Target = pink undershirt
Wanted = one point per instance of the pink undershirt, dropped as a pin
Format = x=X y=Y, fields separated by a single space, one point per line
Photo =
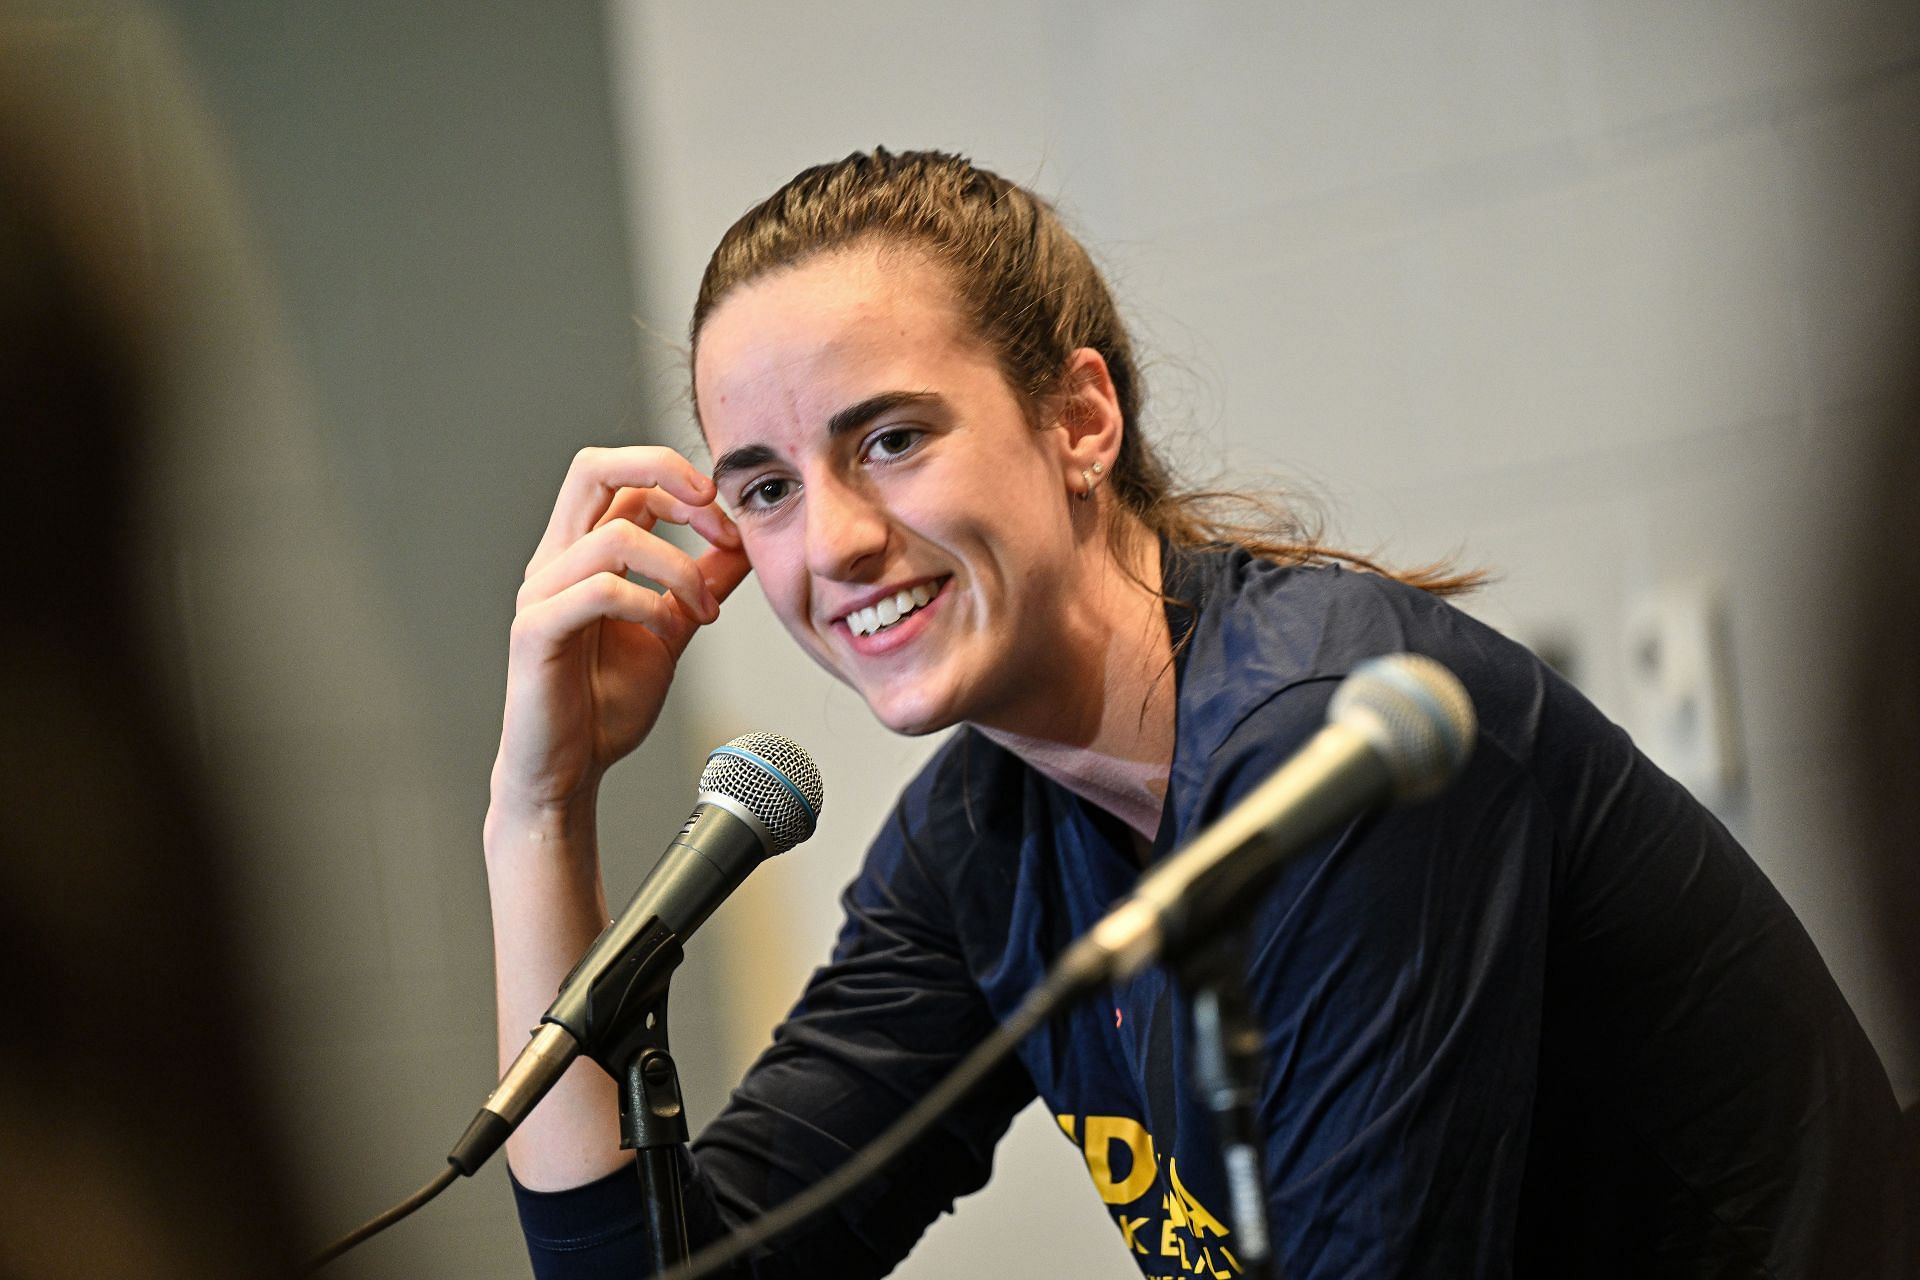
x=1131 y=790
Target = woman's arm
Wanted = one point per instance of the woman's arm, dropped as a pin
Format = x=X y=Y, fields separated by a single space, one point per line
x=543 y=881
x=590 y=658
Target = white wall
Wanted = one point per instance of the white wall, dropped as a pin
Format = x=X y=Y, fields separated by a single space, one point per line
x=1593 y=292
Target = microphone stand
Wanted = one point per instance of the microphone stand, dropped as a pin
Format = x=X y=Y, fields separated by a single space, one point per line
x=1227 y=1073
x=624 y=1018
x=1204 y=946
x=653 y=1125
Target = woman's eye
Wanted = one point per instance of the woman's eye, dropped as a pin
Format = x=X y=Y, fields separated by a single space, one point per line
x=763 y=495
x=893 y=442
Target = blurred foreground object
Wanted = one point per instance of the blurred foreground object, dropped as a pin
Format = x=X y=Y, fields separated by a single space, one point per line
x=1881 y=714
x=136 y=1139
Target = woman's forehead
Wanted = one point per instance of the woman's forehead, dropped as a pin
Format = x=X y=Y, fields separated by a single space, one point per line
x=804 y=330
x=857 y=285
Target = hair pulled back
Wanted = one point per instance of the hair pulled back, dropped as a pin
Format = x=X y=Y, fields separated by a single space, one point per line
x=1033 y=296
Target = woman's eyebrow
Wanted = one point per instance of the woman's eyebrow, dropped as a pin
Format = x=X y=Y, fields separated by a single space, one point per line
x=856 y=416
x=741 y=459
x=851 y=418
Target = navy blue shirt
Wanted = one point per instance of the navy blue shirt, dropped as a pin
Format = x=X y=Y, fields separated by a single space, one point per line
x=1554 y=1021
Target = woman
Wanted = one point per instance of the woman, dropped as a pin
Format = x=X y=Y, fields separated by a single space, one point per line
x=1497 y=1024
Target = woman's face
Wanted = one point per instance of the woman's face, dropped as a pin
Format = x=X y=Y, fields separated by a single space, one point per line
x=910 y=527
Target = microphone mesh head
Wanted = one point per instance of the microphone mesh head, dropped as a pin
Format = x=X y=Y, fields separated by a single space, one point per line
x=774 y=779
x=1416 y=715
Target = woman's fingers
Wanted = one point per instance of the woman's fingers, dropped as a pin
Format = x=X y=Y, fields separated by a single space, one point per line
x=596 y=477
x=635 y=505
x=723 y=569
x=592 y=599
x=647 y=506
x=713 y=524
x=620 y=547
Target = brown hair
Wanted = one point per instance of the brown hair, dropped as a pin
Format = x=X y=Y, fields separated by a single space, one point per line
x=1034 y=297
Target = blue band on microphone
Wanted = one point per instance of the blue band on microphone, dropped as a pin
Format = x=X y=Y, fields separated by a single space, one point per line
x=1438 y=716
x=767 y=766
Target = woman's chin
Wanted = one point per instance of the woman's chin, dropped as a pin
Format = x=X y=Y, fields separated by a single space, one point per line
x=911 y=716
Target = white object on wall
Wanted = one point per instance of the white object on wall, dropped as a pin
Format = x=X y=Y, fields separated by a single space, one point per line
x=1680 y=699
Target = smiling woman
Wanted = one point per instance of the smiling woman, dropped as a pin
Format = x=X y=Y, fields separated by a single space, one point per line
x=886 y=453
x=1497 y=1021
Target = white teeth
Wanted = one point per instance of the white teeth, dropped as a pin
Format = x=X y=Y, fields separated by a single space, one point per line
x=864 y=622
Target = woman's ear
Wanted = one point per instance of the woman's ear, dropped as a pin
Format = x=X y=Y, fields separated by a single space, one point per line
x=1087 y=411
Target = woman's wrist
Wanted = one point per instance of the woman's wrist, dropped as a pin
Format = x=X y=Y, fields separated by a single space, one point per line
x=517 y=821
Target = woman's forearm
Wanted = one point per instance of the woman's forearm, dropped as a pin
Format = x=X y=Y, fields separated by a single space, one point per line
x=543 y=880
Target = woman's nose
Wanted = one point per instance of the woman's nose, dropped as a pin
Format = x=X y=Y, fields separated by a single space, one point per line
x=847 y=531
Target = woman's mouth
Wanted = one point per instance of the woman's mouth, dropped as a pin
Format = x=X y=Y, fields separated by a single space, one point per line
x=889 y=612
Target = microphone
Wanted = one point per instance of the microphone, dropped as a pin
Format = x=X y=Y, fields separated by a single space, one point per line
x=760 y=794
x=1398 y=729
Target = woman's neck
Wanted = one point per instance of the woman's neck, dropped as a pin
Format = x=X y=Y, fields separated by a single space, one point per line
x=1109 y=736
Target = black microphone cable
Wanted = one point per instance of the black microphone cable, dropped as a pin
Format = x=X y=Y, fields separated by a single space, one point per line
x=375 y=1225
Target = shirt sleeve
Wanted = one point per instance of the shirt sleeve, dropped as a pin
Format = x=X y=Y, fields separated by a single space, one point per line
x=877 y=1027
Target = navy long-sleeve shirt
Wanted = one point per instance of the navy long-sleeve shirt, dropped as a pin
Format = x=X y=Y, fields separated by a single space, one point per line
x=1554 y=1021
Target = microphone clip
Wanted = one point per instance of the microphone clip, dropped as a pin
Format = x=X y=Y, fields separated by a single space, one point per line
x=623 y=1011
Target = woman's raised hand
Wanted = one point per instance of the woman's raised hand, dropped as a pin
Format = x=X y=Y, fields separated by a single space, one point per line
x=592 y=654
